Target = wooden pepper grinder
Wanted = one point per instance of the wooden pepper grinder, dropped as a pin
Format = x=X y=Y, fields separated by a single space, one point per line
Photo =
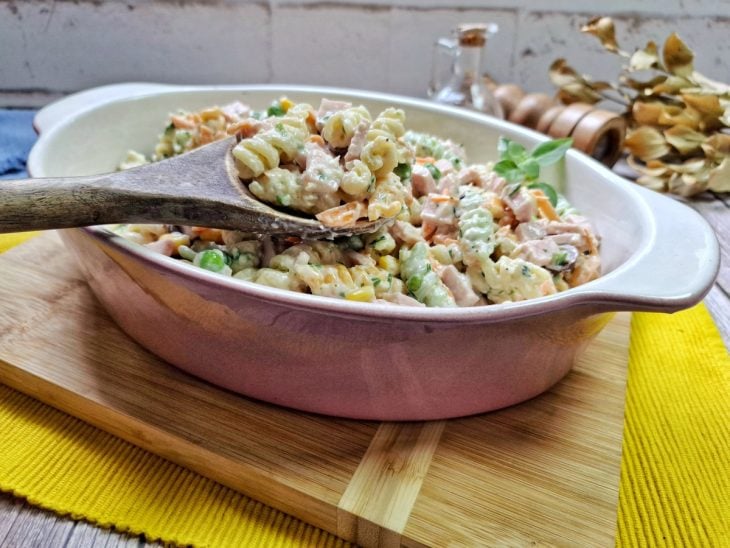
x=598 y=133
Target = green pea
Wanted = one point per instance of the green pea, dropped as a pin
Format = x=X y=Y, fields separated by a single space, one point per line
x=213 y=260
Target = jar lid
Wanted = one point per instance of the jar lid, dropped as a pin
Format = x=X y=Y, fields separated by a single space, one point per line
x=475 y=34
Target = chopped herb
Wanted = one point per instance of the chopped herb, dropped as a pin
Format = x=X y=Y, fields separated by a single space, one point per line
x=376 y=281
x=280 y=128
x=560 y=259
x=283 y=200
x=435 y=172
x=275 y=110
x=513 y=189
x=414 y=283
x=526 y=271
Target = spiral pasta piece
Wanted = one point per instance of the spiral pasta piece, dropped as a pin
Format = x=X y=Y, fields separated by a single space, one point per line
x=273 y=145
x=381 y=153
x=340 y=127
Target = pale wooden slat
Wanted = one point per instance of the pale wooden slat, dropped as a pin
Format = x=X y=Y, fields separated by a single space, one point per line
x=409 y=483
x=377 y=504
x=543 y=471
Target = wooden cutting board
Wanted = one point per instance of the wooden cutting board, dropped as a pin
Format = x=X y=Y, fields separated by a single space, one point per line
x=544 y=472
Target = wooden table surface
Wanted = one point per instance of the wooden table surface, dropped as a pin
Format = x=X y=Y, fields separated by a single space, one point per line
x=24 y=525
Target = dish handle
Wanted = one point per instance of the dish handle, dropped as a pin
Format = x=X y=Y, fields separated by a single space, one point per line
x=677 y=267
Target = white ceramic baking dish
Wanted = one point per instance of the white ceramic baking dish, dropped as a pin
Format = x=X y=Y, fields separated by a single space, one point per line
x=365 y=360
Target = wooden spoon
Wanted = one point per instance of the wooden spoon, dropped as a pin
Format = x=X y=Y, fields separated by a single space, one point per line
x=198 y=188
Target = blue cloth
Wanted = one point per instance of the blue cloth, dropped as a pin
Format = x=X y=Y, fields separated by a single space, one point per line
x=16 y=138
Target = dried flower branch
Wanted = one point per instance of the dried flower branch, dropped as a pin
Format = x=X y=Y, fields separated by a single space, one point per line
x=679 y=120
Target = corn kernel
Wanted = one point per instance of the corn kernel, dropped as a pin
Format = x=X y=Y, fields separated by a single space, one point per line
x=389 y=263
x=286 y=104
x=177 y=238
x=365 y=294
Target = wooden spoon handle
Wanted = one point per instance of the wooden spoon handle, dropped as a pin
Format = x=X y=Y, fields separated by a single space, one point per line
x=64 y=202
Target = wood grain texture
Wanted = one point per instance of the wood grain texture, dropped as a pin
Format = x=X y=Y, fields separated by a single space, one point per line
x=543 y=471
x=377 y=503
x=199 y=188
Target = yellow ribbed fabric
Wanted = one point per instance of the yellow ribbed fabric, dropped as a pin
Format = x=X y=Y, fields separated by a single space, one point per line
x=675 y=468
x=675 y=473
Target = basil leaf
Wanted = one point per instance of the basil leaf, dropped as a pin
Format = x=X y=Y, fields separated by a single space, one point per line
x=508 y=170
x=530 y=168
x=516 y=152
x=548 y=190
x=551 y=151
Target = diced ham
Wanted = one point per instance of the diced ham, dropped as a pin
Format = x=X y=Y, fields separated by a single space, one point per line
x=568 y=238
x=438 y=210
x=406 y=233
x=523 y=204
x=359 y=139
x=495 y=183
x=399 y=299
x=323 y=173
x=164 y=247
x=539 y=252
x=422 y=181
x=475 y=175
x=359 y=258
x=236 y=111
x=444 y=166
x=448 y=183
x=459 y=285
x=532 y=230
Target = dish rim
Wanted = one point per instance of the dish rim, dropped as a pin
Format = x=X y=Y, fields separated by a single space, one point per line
x=597 y=293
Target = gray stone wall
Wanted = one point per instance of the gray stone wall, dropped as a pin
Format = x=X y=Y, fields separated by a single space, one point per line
x=48 y=48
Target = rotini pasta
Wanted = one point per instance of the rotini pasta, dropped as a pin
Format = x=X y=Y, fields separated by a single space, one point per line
x=340 y=126
x=461 y=235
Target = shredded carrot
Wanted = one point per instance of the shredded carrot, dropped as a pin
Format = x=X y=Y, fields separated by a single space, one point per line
x=422 y=160
x=544 y=206
x=316 y=139
x=344 y=215
x=209 y=234
x=428 y=228
x=440 y=198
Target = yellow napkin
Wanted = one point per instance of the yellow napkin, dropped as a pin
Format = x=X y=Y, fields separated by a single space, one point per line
x=675 y=474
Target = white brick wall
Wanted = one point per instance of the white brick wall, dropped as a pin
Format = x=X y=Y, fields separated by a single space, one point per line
x=51 y=47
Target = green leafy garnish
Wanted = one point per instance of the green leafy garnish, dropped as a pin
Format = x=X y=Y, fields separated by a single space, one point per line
x=551 y=151
x=516 y=164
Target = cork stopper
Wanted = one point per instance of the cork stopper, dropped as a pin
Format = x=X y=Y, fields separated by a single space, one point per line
x=474 y=34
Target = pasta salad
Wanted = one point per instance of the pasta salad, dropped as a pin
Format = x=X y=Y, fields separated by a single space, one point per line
x=459 y=234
